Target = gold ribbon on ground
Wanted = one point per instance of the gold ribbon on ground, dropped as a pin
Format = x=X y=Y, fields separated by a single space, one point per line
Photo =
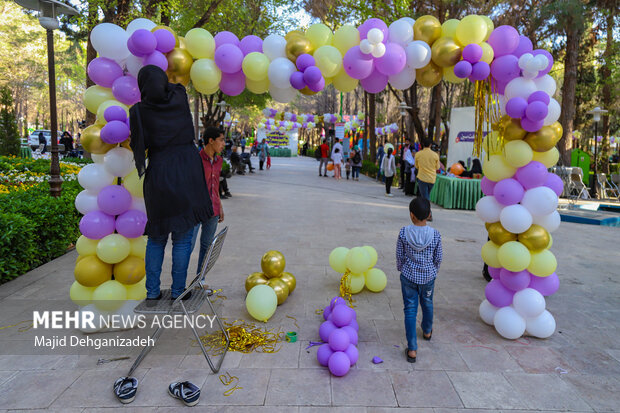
x=244 y=337
x=345 y=288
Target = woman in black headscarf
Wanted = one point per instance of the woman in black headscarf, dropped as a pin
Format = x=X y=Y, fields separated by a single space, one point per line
x=175 y=192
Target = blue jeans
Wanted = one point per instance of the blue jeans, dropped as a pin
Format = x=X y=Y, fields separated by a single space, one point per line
x=206 y=238
x=411 y=293
x=181 y=251
x=425 y=189
x=356 y=171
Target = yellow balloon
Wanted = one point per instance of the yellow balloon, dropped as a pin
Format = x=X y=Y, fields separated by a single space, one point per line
x=499 y=235
x=487 y=53
x=346 y=37
x=297 y=45
x=261 y=302
x=290 y=281
x=491 y=144
x=86 y=246
x=546 y=138
x=518 y=153
x=319 y=35
x=136 y=291
x=205 y=75
x=80 y=258
x=129 y=271
x=372 y=253
x=91 y=141
x=448 y=28
x=80 y=294
x=536 y=238
x=138 y=246
x=256 y=278
x=113 y=248
x=543 y=263
x=182 y=43
x=550 y=241
x=358 y=260
x=514 y=256
x=95 y=96
x=255 y=66
x=548 y=158
x=472 y=29
x=329 y=60
x=376 y=280
x=91 y=271
x=280 y=288
x=110 y=296
x=110 y=102
x=430 y=75
x=496 y=168
x=179 y=61
x=357 y=283
x=445 y=52
x=490 y=26
x=489 y=254
x=427 y=28
x=448 y=75
x=343 y=82
x=134 y=184
x=257 y=87
x=200 y=44
x=338 y=259
x=272 y=263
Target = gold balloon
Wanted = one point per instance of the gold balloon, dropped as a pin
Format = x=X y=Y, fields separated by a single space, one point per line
x=272 y=263
x=297 y=45
x=91 y=141
x=294 y=33
x=445 y=52
x=487 y=225
x=129 y=271
x=280 y=288
x=544 y=139
x=176 y=78
x=557 y=129
x=126 y=143
x=176 y=38
x=513 y=131
x=254 y=279
x=499 y=234
x=536 y=238
x=430 y=75
x=290 y=280
x=182 y=44
x=179 y=62
x=307 y=92
x=427 y=29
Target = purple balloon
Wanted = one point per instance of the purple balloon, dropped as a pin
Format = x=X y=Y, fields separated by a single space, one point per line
x=549 y=57
x=472 y=53
x=115 y=113
x=508 y=191
x=494 y=272
x=323 y=354
x=487 y=186
x=504 y=40
x=131 y=224
x=525 y=46
x=373 y=23
x=530 y=125
x=374 y=83
x=536 y=111
x=354 y=325
x=532 y=175
x=342 y=315
x=250 y=44
x=143 y=42
x=304 y=61
x=114 y=132
x=505 y=68
x=104 y=71
x=318 y=86
x=514 y=281
x=165 y=40
x=297 y=80
x=497 y=294
x=226 y=37
x=555 y=183
x=462 y=69
x=539 y=96
x=125 y=89
x=157 y=59
x=312 y=75
x=228 y=58
x=515 y=107
x=96 y=225
x=498 y=87
x=326 y=312
x=339 y=340
x=545 y=285
x=114 y=199
x=353 y=337
x=326 y=328
x=357 y=64
x=339 y=363
x=480 y=71
x=393 y=60
x=352 y=353
x=232 y=84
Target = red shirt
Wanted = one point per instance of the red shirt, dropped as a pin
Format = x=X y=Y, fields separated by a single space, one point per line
x=325 y=151
x=212 y=168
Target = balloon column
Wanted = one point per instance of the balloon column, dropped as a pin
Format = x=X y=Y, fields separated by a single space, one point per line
x=384 y=130
x=339 y=331
x=357 y=265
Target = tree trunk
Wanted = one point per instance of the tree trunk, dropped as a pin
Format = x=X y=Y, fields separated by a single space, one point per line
x=607 y=86
x=91 y=53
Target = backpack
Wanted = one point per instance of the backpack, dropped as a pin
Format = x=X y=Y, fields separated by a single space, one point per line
x=357 y=158
x=317 y=153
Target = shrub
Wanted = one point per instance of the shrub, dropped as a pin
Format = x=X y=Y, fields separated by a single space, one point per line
x=17 y=246
x=79 y=161
x=369 y=168
x=9 y=135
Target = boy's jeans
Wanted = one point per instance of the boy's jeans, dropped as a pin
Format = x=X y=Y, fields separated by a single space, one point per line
x=206 y=238
x=411 y=292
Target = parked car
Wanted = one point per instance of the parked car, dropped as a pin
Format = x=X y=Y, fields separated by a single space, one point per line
x=33 y=139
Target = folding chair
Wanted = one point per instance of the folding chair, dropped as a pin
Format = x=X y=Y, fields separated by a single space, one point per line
x=165 y=306
x=578 y=189
x=615 y=182
x=606 y=188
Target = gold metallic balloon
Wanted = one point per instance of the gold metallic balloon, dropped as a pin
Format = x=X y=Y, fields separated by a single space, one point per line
x=430 y=75
x=513 y=130
x=179 y=62
x=254 y=279
x=536 y=238
x=290 y=280
x=182 y=44
x=294 y=33
x=557 y=129
x=544 y=139
x=272 y=263
x=126 y=143
x=499 y=234
x=487 y=225
x=445 y=52
x=280 y=288
x=176 y=78
x=307 y=92
x=427 y=29
x=176 y=38
x=297 y=45
x=91 y=141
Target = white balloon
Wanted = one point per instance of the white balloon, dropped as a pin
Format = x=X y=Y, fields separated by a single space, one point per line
x=366 y=46
x=542 y=326
x=274 y=46
x=282 y=95
x=375 y=36
x=547 y=84
x=408 y=20
x=540 y=201
x=86 y=202
x=549 y=222
x=487 y=312
x=529 y=303
x=554 y=112
x=541 y=62
x=488 y=209
x=401 y=32
x=119 y=162
x=403 y=80
x=418 y=54
x=110 y=40
x=524 y=60
x=138 y=203
x=378 y=50
x=134 y=64
x=280 y=71
x=529 y=74
x=140 y=23
x=94 y=177
x=515 y=218
x=520 y=87
x=508 y=323
x=97 y=158
x=502 y=103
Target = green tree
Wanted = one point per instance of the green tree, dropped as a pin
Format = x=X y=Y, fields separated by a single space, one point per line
x=9 y=134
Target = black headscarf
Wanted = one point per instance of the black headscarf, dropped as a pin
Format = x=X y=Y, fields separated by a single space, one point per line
x=476 y=167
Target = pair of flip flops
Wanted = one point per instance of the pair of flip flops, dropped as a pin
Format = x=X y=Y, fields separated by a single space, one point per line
x=125 y=389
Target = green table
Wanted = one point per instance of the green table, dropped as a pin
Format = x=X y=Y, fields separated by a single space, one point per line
x=456 y=193
x=25 y=152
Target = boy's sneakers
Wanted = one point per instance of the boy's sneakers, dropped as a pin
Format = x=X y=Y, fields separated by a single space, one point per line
x=125 y=389
x=390 y=195
x=185 y=391
x=185 y=297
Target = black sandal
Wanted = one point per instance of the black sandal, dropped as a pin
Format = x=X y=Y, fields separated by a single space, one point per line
x=409 y=358
x=427 y=338
x=125 y=389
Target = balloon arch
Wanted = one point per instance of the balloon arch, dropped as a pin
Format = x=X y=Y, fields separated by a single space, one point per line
x=516 y=126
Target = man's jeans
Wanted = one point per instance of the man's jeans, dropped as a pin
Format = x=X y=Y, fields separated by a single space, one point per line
x=181 y=251
x=356 y=171
x=425 y=189
x=323 y=164
x=411 y=293
x=206 y=238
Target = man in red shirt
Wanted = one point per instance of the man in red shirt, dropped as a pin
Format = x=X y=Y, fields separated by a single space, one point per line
x=324 y=148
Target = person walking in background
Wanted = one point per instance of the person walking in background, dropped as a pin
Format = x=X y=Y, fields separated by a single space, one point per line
x=263 y=152
x=347 y=167
x=356 y=158
x=42 y=143
x=324 y=150
x=337 y=158
x=242 y=142
x=409 y=164
x=380 y=155
x=67 y=141
x=388 y=166
x=427 y=163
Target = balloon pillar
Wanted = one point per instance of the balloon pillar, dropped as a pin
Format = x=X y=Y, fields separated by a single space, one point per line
x=339 y=331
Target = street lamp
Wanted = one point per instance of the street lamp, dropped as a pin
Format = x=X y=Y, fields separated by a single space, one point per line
x=596 y=116
x=48 y=11
x=403 y=112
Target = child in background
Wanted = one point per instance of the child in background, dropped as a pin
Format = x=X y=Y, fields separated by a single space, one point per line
x=268 y=161
x=418 y=257
x=337 y=158
x=347 y=167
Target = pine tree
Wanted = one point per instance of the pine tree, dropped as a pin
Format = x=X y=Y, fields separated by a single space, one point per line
x=9 y=135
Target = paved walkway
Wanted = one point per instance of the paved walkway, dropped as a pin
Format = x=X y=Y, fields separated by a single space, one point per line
x=466 y=366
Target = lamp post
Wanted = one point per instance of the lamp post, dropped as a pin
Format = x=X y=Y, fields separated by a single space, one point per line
x=596 y=117
x=403 y=112
x=48 y=11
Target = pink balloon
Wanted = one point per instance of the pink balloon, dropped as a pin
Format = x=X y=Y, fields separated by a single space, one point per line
x=393 y=61
x=96 y=225
x=357 y=64
x=115 y=113
x=165 y=40
x=157 y=59
x=514 y=281
x=505 y=68
x=532 y=175
x=143 y=42
x=325 y=329
x=373 y=23
x=504 y=40
x=114 y=199
x=339 y=363
x=226 y=37
x=497 y=294
x=531 y=126
x=228 y=58
x=545 y=285
x=515 y=107
x=131 y=223
x=555 y=183
x=508 y=191
x=525 y=46
x=323 y=354
x=250 y=44
x=352 y=353
x=114 y=132
x=232 y=84
x=374 y=83
x=125 y=89
x=104 y=71
x=487 y=186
